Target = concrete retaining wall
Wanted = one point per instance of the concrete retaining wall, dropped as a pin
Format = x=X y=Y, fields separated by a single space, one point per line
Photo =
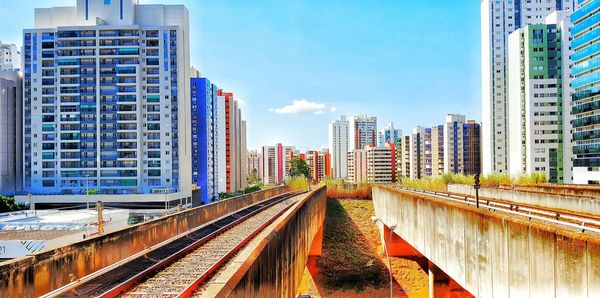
x=592 y=191
x=274 y=267
x=44 y=272
x=574 y=203
x=491 y=254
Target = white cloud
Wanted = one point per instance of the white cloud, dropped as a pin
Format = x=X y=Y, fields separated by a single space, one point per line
x=303 y=105
x=242 y=103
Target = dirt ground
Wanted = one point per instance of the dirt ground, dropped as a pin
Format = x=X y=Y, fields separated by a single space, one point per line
x=353 y=252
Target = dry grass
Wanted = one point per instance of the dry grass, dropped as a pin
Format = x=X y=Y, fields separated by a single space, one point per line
x=440 y=183
x=300 y=183
x=339 y=189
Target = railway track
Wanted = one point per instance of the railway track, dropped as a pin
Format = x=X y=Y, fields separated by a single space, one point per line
x=208 y=246
x=565 y=218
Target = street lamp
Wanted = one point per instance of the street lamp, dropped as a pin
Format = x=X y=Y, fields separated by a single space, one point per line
x=387 y=252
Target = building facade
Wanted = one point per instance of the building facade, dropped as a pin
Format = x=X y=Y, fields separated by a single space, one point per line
x=462 y=143
x=274 y=163
x=389 y=135
x=255 y=164
x=499 y=18
x=235 y=175
x=10 y=57
x=338 y=144
x=437 y=150
x=535 y=93
x=363 y=132
x=373 y=164
x=106 y=100
x=585 y=107
x=11 y=132
x=205 y=169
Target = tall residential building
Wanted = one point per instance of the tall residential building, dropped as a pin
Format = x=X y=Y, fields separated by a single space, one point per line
x=535 y=92
x=255 y=163
x=585 y=108
x=10 y=57
x=462 y=154
x=404 y=157
x=389 y=135
x=498 y=19
x=420 y=143
x=234 y=140
x=274 y=163
x=338 y=144
x=437 y=150
x=11 y=132
x=204 y=138
x=106 y=101
x=319 y=164
x=221 y=143
x=244 y=157
x=372 y=164
x=363 y=132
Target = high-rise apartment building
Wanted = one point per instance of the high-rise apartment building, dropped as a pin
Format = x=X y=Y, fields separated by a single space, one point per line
x=498 y=19
x=10 y=57
x=274 y=163
x=363 y=132
x=462 y=153
x=234 y=140
x=338 y=144
x=372 y=164
x=106 y=101
x=585 y=109
x=243 y=157
x=420 y=147
x=437 y=150
x=11 y=132
x=536 y=100
x=319 y=164
x=389 y=135
x=205 y=158
x=255 y=164
x=404 y=157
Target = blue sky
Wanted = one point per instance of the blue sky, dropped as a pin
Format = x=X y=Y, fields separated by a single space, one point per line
x=410 y=62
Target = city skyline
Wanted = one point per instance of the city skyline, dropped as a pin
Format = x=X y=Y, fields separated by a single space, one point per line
x=323 y=67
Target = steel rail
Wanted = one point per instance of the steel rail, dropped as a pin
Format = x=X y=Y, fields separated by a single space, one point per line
x=143 y=253
x=134 y=280
x=584 y=223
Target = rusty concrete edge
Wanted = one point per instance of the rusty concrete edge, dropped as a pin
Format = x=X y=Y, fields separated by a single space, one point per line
x=225 y=288
x=583 y=214
x=27 y=260
x=534 y=224
x=558 y=194
x=564 y=186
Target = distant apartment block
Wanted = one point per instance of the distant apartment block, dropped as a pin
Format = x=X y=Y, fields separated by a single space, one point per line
x=274 y=163
x=106 y=102
x=10 y=57
x=11 y=132
x=389 y=135
x=404 y=154
x=462 y=153
x=363 y=132
x=437 y=150
x=499 y=18
x=319 y=163
x=372 y=164
x=255 y=163
x=205 y=151
x=585 y=109
x=338 y=146
x=536 y=102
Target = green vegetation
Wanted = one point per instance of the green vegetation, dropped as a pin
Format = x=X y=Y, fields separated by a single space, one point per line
x=297 y=183
x=252 y=188
x=90 y=192
x=440 y=183
x=298 y=167
x=253 y=177
x=8 y=204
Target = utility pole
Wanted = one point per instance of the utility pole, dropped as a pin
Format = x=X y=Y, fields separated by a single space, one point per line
x=99 y=208
x=476 y=186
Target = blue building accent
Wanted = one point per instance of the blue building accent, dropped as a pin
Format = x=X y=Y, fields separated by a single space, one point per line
x=204 y=138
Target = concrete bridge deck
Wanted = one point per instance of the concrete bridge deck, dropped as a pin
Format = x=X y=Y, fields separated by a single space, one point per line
x=489 y=253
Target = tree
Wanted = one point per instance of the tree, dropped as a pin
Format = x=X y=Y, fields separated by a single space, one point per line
x=7 y=204
x=298 y=167
x=253 y=177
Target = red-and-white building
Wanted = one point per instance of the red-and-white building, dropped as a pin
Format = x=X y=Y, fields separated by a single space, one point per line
x=319 y=163
x=275 y=163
